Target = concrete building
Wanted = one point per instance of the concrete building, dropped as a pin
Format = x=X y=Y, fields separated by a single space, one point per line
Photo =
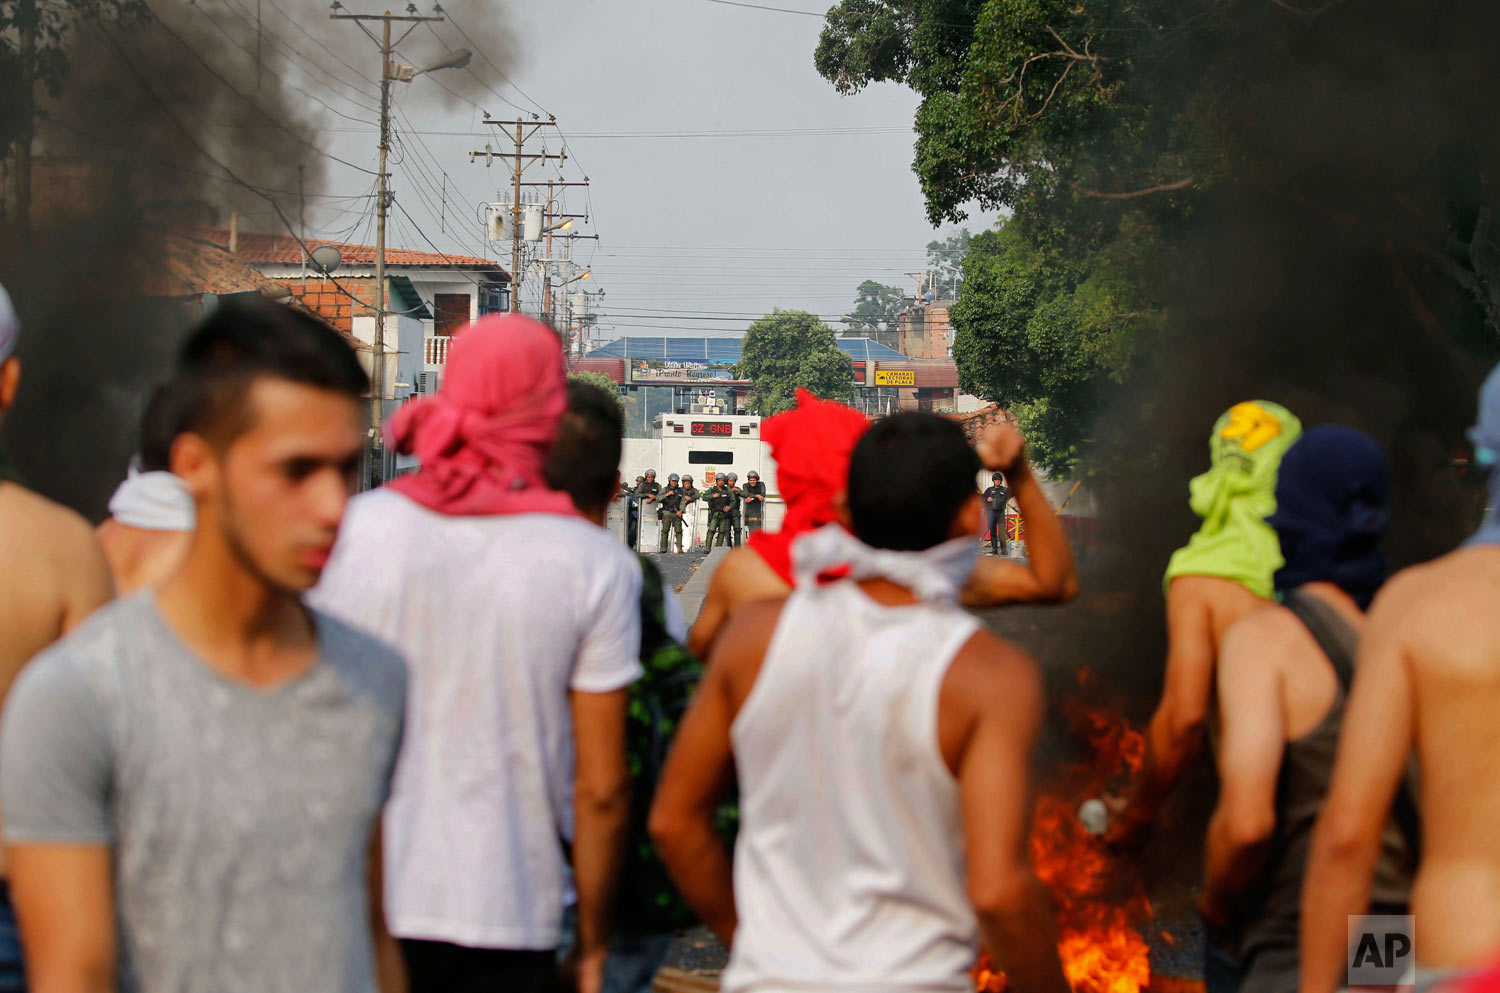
x=668 y=374
x=924 y=332
x=429 y=296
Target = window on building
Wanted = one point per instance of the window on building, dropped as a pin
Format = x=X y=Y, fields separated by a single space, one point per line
x=711 y=458
x=451 y=312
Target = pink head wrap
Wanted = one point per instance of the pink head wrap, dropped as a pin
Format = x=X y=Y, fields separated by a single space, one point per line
x=484 y=437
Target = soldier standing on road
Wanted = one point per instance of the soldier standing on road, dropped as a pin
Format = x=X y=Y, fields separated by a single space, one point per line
x=690 y=497
x=671 y=513
x=720 y=500
x=734 y=510
x=995 y=499
x=646 y=496
x=633 y=511
x=755 y=501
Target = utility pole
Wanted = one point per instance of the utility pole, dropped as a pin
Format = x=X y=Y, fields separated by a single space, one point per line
x=382 y=207
x=518 y=161
x=547 y=276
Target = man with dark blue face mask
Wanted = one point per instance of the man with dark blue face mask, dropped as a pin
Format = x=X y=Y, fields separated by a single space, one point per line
x=1283 y=677
x=1428 y=682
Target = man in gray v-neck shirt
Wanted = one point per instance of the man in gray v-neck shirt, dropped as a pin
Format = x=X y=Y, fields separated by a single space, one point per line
x=239 y=818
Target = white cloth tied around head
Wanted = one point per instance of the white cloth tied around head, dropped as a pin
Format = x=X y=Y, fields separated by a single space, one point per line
x=936 y=573
x=154 y=501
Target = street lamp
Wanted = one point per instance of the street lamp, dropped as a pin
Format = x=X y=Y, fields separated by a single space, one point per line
x=560 y=226
x=399 y=72
x=403 y=73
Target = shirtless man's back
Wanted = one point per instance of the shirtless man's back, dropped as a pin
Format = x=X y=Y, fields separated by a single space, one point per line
x=1428 y=679
x=1454 y=672
x=1427 y=684
x=57 y=576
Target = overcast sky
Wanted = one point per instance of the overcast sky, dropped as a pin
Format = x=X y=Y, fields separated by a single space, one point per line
x=698 y=233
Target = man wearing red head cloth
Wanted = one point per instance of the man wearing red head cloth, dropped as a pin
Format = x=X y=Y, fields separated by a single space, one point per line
x=520 y=621
x=811 y=445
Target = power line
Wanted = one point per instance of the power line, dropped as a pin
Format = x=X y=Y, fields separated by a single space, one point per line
x=193 y=140
x=276 y=41
x=474 y=46
x=314 y=38
x=255 y=106
x=828 y=132
x=779 y=10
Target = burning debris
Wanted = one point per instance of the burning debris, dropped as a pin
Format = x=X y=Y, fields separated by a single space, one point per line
x=1098 y=902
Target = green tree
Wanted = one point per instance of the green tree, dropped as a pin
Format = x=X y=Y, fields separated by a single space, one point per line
x=600 y=380
x=791 y=348
x=1153 y=154
x=949 y=251
x=1042 y=338
x=877 y=307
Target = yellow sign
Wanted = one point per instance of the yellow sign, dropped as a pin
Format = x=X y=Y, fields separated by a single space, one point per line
x=895 y=377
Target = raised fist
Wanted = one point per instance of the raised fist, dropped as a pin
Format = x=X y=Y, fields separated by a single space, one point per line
x=1001 y=448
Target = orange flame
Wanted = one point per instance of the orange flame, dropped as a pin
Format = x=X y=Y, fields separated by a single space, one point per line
x=1100 y=949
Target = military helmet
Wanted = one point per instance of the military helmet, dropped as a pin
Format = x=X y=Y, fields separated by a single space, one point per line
x=672 y=478
x=686 y=478
x=733 y=478
x=997 y=476
x=650 y=473
x=752 y=474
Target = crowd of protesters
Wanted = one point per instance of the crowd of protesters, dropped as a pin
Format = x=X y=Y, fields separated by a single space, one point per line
x=452 y=735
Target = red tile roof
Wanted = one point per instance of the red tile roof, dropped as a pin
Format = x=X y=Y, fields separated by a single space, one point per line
x=279 y=249
x=975 y=421
x=168 y=264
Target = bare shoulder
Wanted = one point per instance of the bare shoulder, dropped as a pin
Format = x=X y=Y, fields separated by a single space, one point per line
x=745 y=577
x=741 y=647
x=1269 y=630
x=1448 y=601
x=750 y=625
x=31 y=519
x=1468 y=574
x=989 y=671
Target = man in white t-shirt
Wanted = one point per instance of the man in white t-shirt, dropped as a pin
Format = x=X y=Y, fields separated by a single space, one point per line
x=520 y=620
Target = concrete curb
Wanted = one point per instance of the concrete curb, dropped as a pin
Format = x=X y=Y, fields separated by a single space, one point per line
x=696 y=588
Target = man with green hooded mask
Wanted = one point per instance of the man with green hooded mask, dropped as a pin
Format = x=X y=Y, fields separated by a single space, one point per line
x=1222 y=573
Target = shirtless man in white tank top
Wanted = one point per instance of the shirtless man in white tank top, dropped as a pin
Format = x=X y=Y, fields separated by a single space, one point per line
x=882 y=742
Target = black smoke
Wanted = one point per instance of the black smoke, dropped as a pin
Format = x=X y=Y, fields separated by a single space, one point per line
x=207 y=108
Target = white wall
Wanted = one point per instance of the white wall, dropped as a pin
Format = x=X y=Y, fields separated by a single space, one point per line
x=429 y=284
x=403 y=350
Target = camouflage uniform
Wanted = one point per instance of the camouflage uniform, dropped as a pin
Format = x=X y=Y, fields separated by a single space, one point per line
x=734 y=514
x=720 y=502
x=671 y=511
x=755 y=504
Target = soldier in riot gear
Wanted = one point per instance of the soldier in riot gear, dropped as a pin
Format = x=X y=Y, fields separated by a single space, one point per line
x=670 y=513
x=754 y=492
